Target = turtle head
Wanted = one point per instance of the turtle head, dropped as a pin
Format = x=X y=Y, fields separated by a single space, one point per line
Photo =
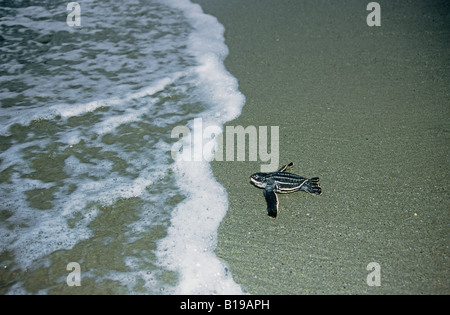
x=258 y=180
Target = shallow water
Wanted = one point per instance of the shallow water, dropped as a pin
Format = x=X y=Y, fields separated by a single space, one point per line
x=86 y=171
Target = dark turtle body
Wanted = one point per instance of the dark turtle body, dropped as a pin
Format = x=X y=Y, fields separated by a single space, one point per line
x=283 y=182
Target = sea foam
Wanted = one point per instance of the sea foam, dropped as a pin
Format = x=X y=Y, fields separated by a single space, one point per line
x=90 y=133
x=192 y=236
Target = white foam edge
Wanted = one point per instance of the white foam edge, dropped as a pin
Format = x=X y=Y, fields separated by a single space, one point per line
x=189 y=248
x=207 y=44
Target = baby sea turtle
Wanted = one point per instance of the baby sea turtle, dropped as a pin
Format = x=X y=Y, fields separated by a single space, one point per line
x=283 y=183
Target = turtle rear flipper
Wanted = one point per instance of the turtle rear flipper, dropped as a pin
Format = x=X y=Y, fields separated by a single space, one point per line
x=272 y=202
x=312 y=186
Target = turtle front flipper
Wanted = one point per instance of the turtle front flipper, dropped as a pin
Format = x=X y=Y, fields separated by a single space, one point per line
x=272 y=201
x=285 y=167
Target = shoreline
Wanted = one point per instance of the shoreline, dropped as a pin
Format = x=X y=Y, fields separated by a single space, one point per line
x=360 y=107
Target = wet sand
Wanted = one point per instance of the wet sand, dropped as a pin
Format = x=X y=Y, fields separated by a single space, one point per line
x=367 y=110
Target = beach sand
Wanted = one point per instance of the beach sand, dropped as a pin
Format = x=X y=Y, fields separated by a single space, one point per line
x=367 y=110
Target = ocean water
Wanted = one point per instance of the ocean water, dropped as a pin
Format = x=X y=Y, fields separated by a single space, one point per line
x=86 y=171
